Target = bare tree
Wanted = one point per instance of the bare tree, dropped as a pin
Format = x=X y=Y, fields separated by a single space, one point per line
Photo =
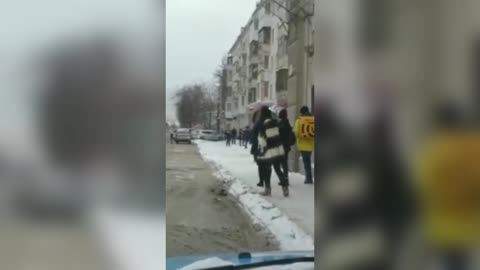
x=194 y=102
x=220 y=77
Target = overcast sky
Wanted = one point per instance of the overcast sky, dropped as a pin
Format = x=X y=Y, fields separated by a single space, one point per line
x=199 y=34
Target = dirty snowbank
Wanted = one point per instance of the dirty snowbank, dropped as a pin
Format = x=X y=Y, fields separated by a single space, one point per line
x=234 y=166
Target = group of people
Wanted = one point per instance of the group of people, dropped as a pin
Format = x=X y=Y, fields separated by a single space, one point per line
x=272 y=139
x=243 y=136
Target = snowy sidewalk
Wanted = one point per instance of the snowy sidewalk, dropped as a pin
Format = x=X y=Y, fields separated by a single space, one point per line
x=295 y=213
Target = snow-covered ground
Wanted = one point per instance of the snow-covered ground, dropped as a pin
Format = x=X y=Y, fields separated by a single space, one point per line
x=290 y=219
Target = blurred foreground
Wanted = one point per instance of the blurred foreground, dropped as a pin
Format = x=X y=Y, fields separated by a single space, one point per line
x=80 y=143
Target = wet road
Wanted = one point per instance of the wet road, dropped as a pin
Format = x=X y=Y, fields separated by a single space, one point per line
x=201 y=217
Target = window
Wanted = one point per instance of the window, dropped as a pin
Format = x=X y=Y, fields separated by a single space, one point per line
x=253 y=48
x=244 y=59
x=229 y=91
x=235 y=104
x=230 y=75
x=282 y=79
x=266 y=62
x=265 y=89
x=230 y=60
x=229 y=107
x=267 y=7
x=255 y=24
x=282 y=46
x=253 y=71
x=265 y=35
x=243 y=100
x=252 y=94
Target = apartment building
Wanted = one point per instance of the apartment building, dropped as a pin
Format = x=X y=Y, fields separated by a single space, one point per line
x=252 y=64
x=270 y=63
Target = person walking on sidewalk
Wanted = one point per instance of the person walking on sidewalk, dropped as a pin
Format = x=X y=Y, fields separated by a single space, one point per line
x=268 y=151
x=448 y=176
x=227 y=137
x=288 y=139
x=246 y=136
x=240 y=137
x=304 y=132
x=172 y=139
x=233 y=135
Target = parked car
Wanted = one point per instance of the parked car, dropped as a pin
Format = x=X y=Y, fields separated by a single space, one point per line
x=182 y=135
x=195 y=134
x=210 y=135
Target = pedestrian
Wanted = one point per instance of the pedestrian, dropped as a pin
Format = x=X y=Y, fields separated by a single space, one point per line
x=233 y=135
x=268 y=150
x=172 y=139
x=449 y=175
x=246 y=136
x=288 y=139
x=227 y=137
x=240 y=137
x=390 y=195
x=305 y=137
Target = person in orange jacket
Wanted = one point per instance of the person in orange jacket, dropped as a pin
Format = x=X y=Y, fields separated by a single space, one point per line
x=304 y=132
x=449 y=185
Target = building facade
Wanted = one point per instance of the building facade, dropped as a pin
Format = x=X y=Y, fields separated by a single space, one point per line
x=251 y=66
x=300 y=52
x=270 y=63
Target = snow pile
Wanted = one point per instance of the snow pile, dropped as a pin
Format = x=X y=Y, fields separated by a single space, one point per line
x=277 y=214
x=207 y=263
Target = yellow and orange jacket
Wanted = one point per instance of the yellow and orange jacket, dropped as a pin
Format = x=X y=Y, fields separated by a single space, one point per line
x=303 y=144
x=449 y=185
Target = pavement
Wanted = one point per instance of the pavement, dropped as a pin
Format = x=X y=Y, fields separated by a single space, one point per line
x=237 y=162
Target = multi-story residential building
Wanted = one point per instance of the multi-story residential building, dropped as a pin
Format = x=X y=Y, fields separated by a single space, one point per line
x=252 y=65
x=271 y=63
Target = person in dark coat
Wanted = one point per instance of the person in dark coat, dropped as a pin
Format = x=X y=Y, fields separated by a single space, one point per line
x=246 y=136
x=288 y=139
x=268 y=150
x=233 y=136
x=227 y=137
x=240 y=137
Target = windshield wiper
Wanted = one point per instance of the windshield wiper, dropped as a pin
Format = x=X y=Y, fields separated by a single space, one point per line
x=263 y=264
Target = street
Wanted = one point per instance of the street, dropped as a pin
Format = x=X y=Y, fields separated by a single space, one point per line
x=201 y=217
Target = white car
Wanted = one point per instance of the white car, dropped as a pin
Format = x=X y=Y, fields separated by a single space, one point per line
x=195 y=134
x=209 y=135
x=182 y=135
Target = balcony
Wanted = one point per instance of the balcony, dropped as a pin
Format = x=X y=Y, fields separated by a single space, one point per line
x=265 y=48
